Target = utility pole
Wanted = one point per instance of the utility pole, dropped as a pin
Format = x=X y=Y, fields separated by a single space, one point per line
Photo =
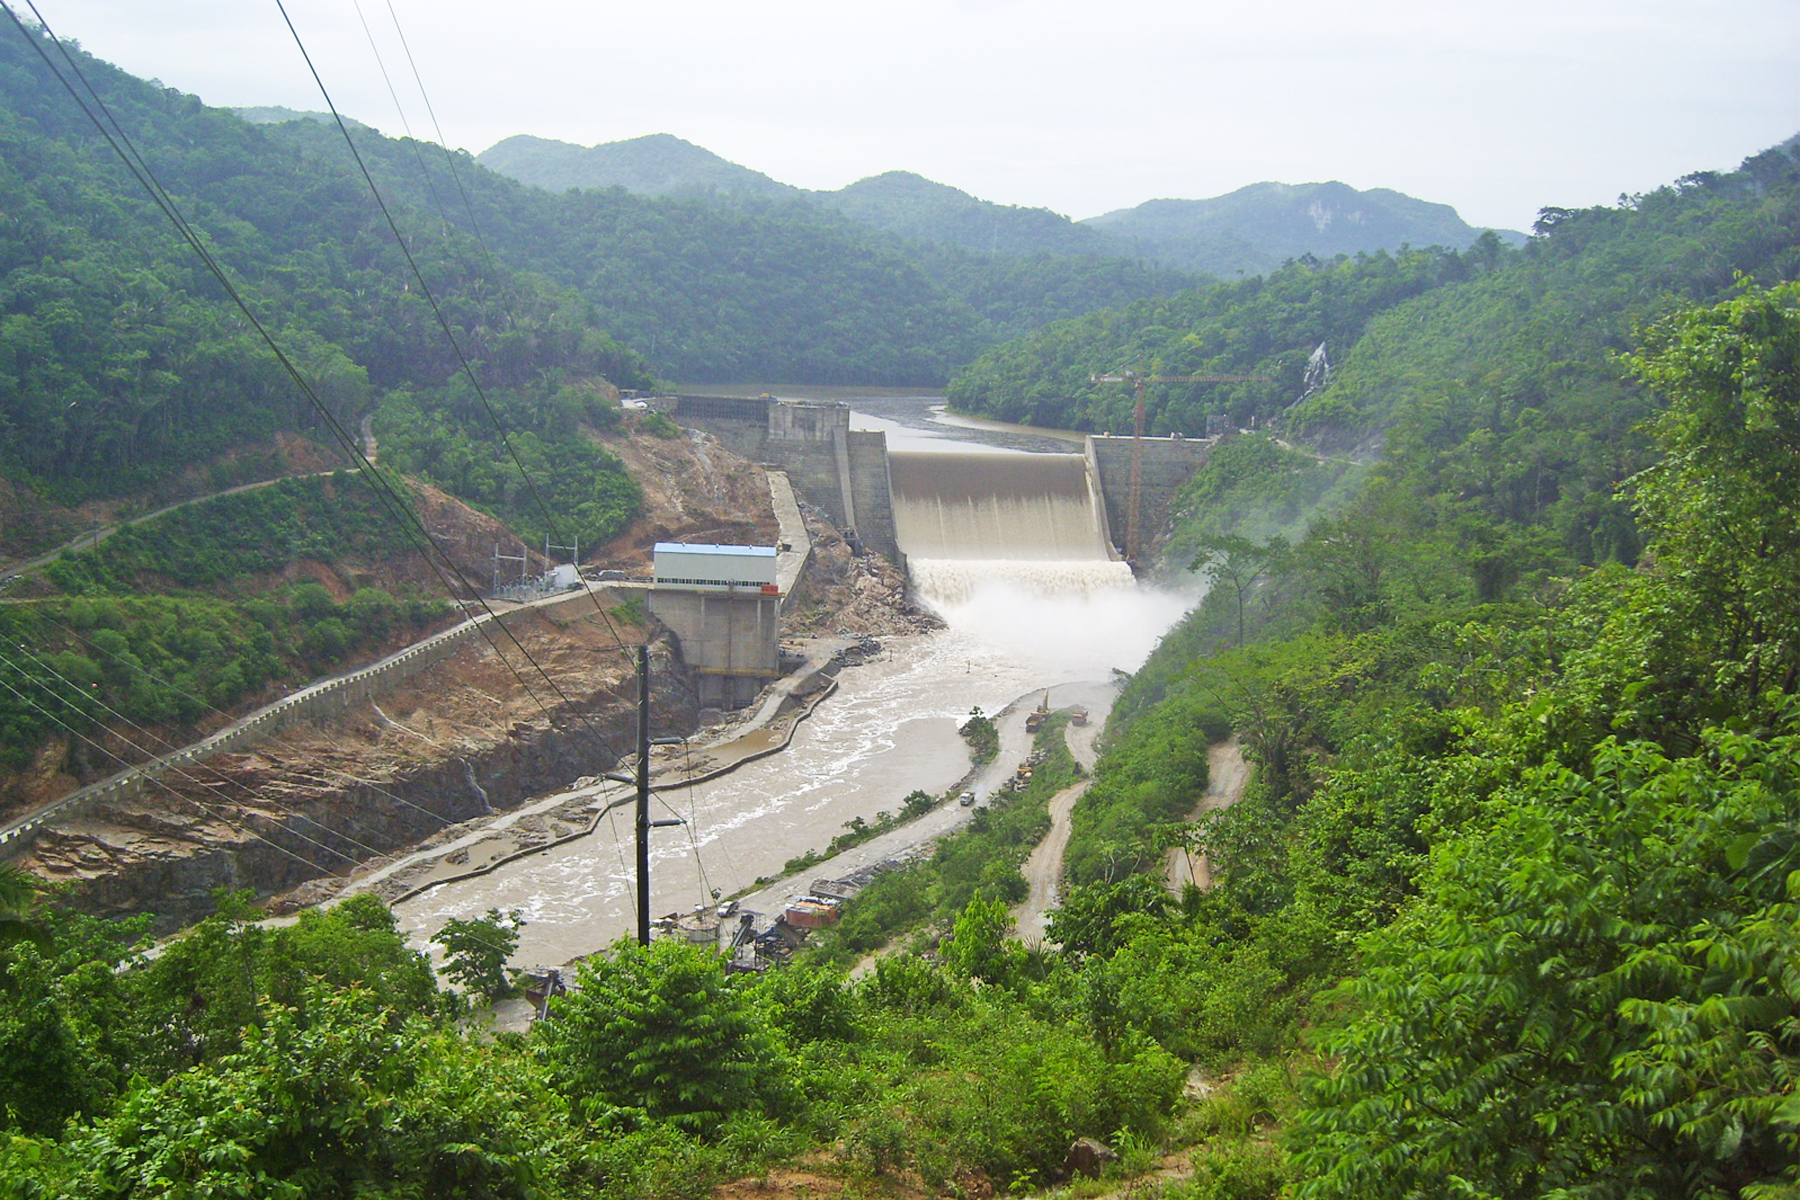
x=643 y=796
x=500 y=558
x=641 y=778
x=574 y=551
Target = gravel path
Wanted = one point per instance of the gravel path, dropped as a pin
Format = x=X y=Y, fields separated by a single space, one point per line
x=1227 y=773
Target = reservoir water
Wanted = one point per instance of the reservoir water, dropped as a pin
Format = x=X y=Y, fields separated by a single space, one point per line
x=1007 y=552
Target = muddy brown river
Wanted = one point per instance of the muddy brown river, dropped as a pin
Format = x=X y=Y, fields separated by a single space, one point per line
x=889 y=728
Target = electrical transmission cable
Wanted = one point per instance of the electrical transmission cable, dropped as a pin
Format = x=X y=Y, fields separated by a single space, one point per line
x=468 y=371
x=406 y=126
x=190 y=778
x=443 y=143
x=178 y=795
x=397 y=506
x=274 y=738
x=225 y=799
x=217 y=788
x=141 y=171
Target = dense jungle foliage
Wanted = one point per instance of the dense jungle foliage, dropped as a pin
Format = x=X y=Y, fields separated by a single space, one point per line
x=166 y=663
x=121 y=361
x=732 y=289
x=166 y=622
x=1509 y=909
x=1488 y=335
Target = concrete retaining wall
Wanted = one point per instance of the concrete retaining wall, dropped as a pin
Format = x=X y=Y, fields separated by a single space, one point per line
x=1168 y=464
x=730 y=642
x=843 y=472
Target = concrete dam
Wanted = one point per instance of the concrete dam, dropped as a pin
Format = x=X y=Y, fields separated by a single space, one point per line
x=1036 y=522
x=957 y=515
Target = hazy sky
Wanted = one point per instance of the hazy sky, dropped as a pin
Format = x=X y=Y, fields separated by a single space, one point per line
x=1496 y=108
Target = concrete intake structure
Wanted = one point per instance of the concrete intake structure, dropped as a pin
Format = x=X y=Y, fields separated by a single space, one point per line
x=843 y=471
x=723 y=605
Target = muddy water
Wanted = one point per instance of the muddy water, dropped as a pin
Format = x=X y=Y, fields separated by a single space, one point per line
x=890 y=728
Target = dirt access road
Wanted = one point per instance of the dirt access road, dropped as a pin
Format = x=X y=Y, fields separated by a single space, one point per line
x=916 y=837
x=1043 y=870
x=1227 y=773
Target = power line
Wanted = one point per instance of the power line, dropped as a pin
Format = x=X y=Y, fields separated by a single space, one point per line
x=141 y=171
x=276 y=738
x=197 y=782
x=217 y=788
x=178 y=795
x=431 y=299
x=443 y=143
x=215 y=813
x=396 y=505
x=418 y=154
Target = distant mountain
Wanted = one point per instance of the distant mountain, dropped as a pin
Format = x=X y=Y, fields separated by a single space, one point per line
x=656 y=165
x=1256 y=228
x=1251 y=231
x=911 y=206
x=275 y=114
x=899 y=202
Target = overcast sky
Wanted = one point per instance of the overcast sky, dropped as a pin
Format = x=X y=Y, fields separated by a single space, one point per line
x=1497 y=108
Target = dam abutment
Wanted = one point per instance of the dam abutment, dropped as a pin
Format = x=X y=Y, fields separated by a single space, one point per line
x=847 y=472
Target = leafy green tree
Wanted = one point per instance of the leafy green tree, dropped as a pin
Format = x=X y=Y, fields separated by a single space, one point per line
x=659 y=1029
x=1092 y=918
x=476 y=950
x=1593 y=1002
x=982 y=736
x=1724 y=501
x=344 y=1102
x=978 y=947
x=1238 y=563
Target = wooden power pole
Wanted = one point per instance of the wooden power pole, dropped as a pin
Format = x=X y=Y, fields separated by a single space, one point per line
x=641 y=779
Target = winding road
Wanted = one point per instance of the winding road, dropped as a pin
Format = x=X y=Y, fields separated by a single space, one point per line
x=1227 y=773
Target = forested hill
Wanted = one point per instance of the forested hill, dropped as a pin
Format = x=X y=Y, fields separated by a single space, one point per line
x=1250 y=231
x=757 y=288
x=123 y=364
x=897 y=202
x=1257 y=228
x=1418 y=328
x=1523 y=701
x=658 y=164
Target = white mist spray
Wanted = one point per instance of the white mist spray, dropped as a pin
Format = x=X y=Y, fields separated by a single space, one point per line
x=1069 y=620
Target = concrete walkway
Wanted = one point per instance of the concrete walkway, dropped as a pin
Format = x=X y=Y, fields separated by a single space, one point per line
x=795 y=549
x=17 y=833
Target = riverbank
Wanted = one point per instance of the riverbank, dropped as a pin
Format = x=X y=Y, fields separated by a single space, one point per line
x=919 y=838
x=476 y=847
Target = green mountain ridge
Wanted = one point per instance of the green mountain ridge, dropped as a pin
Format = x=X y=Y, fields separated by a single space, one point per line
x=1258 y=227
x=658 y=164
x=1251 y=230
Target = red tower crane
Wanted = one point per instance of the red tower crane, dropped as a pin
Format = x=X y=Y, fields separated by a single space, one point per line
x=1140 y=381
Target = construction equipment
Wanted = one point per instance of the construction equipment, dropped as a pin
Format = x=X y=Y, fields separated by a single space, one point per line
x=1140 y=382
x=1035 y=719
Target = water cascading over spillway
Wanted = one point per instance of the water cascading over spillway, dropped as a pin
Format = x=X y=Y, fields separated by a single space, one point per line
x=1033 y=522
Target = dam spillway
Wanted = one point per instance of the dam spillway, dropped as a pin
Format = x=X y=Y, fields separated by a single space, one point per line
x=1034 y=522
